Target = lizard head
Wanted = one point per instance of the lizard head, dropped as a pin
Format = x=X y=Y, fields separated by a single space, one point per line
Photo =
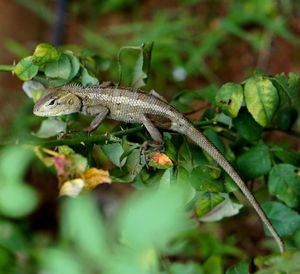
x=55 y=103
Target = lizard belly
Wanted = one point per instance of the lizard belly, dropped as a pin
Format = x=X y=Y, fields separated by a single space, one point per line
x=127 y=116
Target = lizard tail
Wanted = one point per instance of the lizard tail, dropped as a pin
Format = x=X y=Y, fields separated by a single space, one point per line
x=196 y=136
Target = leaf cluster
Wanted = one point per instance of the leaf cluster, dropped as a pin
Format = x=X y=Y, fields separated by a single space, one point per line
x=240 y=116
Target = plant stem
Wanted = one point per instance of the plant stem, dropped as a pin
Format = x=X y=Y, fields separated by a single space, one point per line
x=82 y=139
x=7 y=67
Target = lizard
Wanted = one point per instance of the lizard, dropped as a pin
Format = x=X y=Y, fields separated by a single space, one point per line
x=129 y=105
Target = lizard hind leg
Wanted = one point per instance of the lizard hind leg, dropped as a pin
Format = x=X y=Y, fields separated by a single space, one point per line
x=154 y=133
x=156 y=142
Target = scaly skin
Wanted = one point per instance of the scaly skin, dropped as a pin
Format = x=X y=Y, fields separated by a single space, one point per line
x=128 y=105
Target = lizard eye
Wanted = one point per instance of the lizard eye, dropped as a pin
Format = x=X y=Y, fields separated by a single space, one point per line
x=52 y=102
x=71 y=102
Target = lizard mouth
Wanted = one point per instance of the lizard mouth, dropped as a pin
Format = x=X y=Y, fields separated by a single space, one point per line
x=37 y=111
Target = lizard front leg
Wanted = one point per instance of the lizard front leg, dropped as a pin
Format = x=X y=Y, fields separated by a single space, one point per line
x=100 y=112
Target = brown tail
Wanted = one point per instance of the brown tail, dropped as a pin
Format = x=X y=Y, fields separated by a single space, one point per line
x=196 y=136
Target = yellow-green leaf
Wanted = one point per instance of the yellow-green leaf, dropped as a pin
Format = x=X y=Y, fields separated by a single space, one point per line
x=230 y=98
x=44 y=53
x=261 y=99
x=25 y=69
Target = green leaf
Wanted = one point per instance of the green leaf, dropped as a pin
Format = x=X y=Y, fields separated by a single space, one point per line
x=82 y=225
x=75 y=64
x=12 y=238
x=134 y=164
x=229 y=184
x=152 y=218
x=142 y=66
x=114 y=152
x=226 y=208
x=87 y=79
x=61 y=68
x=286 y=155
x=285 y=118
x=25 y=69
x=285 y=220
x=240 y=268
x=45 y=53
x=261 y=99
x=165 y=179
x=33 y=89
x=213 y=265
x=214 y=138
x=186 y=268
x=284 y=182
x=17 y=200
x=201 y=178
x=206 y=201
x=12 y=157
x=51 y=127
x=247 y=127
x=181 y=179
x=287 y=263
x=230 y=98
x=58 y=260
x=287 y=88
x=255 y=162
x=294 y=84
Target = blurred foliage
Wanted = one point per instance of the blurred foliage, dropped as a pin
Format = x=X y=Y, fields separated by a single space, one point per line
x=166 y=227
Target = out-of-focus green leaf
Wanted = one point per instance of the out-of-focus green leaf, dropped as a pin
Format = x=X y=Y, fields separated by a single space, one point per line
x=33 y=89
x=284 y=182
x=45 y=53
x=82 y=224
x=75 y=64
x=186 y=268
x=255 y=162
x=87 y=79
x=289 y=262
x=51 y=127
x=294 y=84
x=285 y=220
x=26 y=69
x=13 y=162
x=11 y=237
x=114 y=152
x=261 y=99
x=213 y=265
x=247 y=127
x=152 y=218
x=206 y=201
x=230 y=98
x=17 y=200
x=58 y=260
x=60 y=69
x=240 y=268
